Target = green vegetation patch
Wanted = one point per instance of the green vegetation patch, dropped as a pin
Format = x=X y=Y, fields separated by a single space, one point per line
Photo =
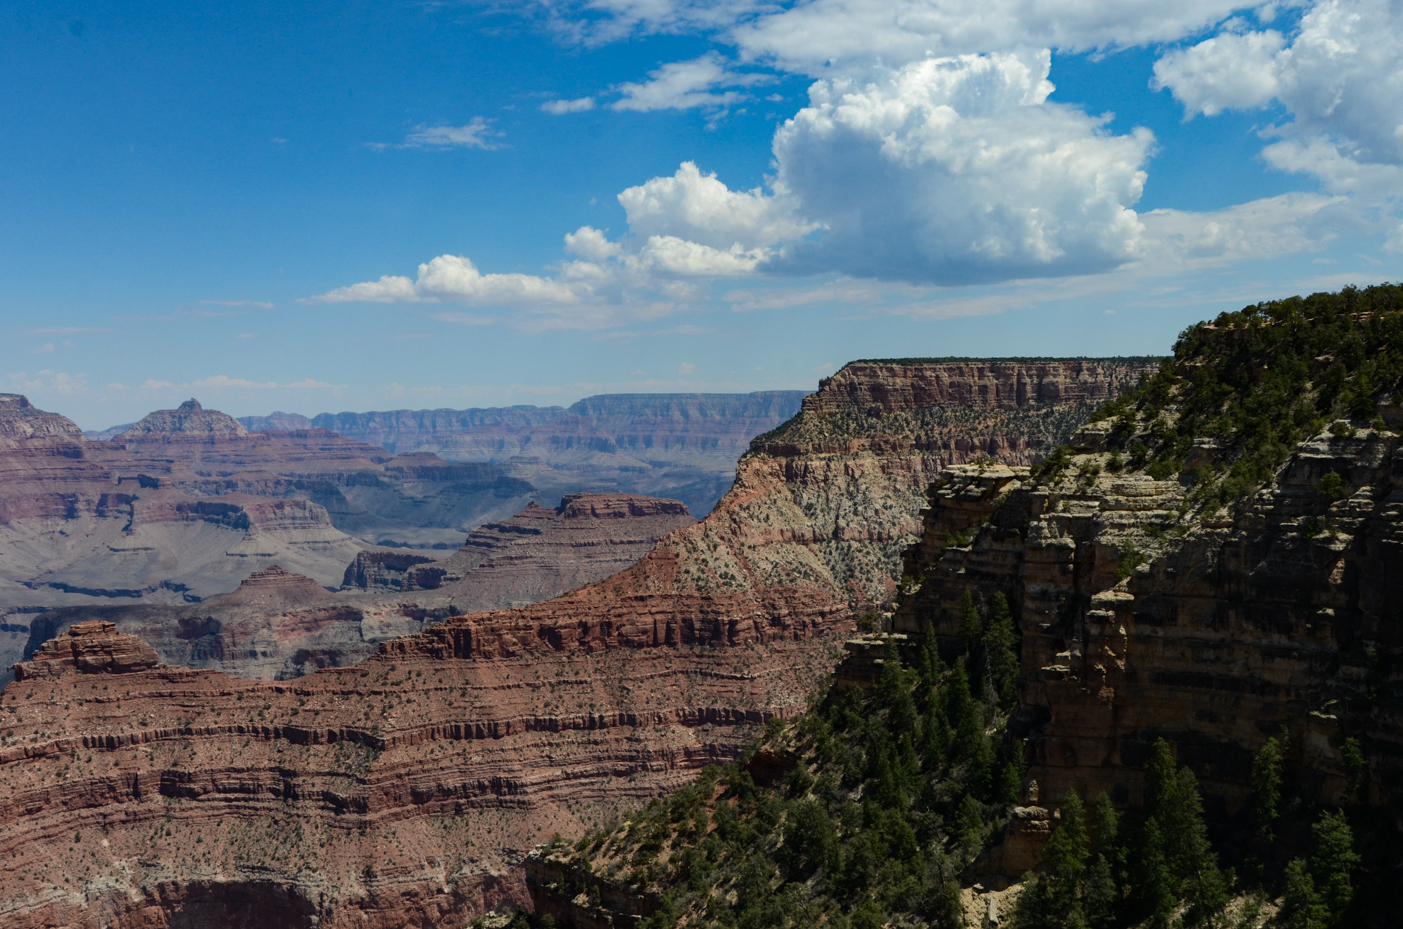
x=1242 y=391
x=888 y=794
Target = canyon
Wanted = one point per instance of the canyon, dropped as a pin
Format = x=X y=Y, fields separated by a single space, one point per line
x=279 y=625
x=187 y=503
x=1206 y=573
x=407 y=789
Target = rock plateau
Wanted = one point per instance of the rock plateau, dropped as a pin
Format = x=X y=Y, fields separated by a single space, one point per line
x=671 y=445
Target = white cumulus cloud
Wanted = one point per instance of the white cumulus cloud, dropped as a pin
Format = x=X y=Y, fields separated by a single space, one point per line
x=1229 y=71
x=453 y=279
x=671 y=255
x=1340 y=77
x=956 y=170
x=590 y=244
x=698 y=207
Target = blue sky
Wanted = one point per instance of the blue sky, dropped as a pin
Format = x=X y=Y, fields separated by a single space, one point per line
x=234 y=201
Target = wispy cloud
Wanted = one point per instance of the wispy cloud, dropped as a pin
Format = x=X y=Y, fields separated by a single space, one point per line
x=682 y=85
x=478 y=133
x=561 y=107
x=65 y=330
x=47 y=381
x=224 y=382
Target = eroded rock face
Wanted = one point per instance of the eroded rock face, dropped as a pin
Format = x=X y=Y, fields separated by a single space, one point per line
x=19 y=419
x=1278 y=614
x=393 y=793
x=88 y=648
x=681 y=446
x=1007 y=383
x=407 y=789
x=535 y=555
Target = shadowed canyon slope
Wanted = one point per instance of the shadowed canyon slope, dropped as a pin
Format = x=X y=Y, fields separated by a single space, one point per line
x=279 y=625
x=406 y=790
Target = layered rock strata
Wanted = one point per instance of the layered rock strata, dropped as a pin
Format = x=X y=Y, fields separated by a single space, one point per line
x=673 y=445
x=398 y=792
x=533 y=556
x=186 y=503
x=407 y=789
x=278 y=625
x=1215 y=633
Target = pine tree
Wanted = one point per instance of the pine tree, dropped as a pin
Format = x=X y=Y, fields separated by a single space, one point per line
x=1064 y=858
x=969 y=746
x=1101 y=895
x=1033 y=907
x=1001 y=650
x=930 y=667
x=1192 y=857
x=936 y=734
x=969 y=821
x=1011 y=778
x=1104 y=877
x=1105 y=825
x=1333 y=861
x=1301 y=906
x=1154 y=884
x=971 y=623
x=1266 y=787
x=1161 y=780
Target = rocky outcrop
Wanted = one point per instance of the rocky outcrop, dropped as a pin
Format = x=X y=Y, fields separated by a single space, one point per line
x=277 y=421
x=19 y=419
x=276 y=625
x=88 y=648
x=1150 y=610
x=536 y=554
x=407 y=789
x=1003 y=383
x=187 y=421
x=386 y=571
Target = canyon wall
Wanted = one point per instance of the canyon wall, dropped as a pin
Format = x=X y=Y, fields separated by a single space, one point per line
x=407 y=789
x=674 y=445
x=1215 y=636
